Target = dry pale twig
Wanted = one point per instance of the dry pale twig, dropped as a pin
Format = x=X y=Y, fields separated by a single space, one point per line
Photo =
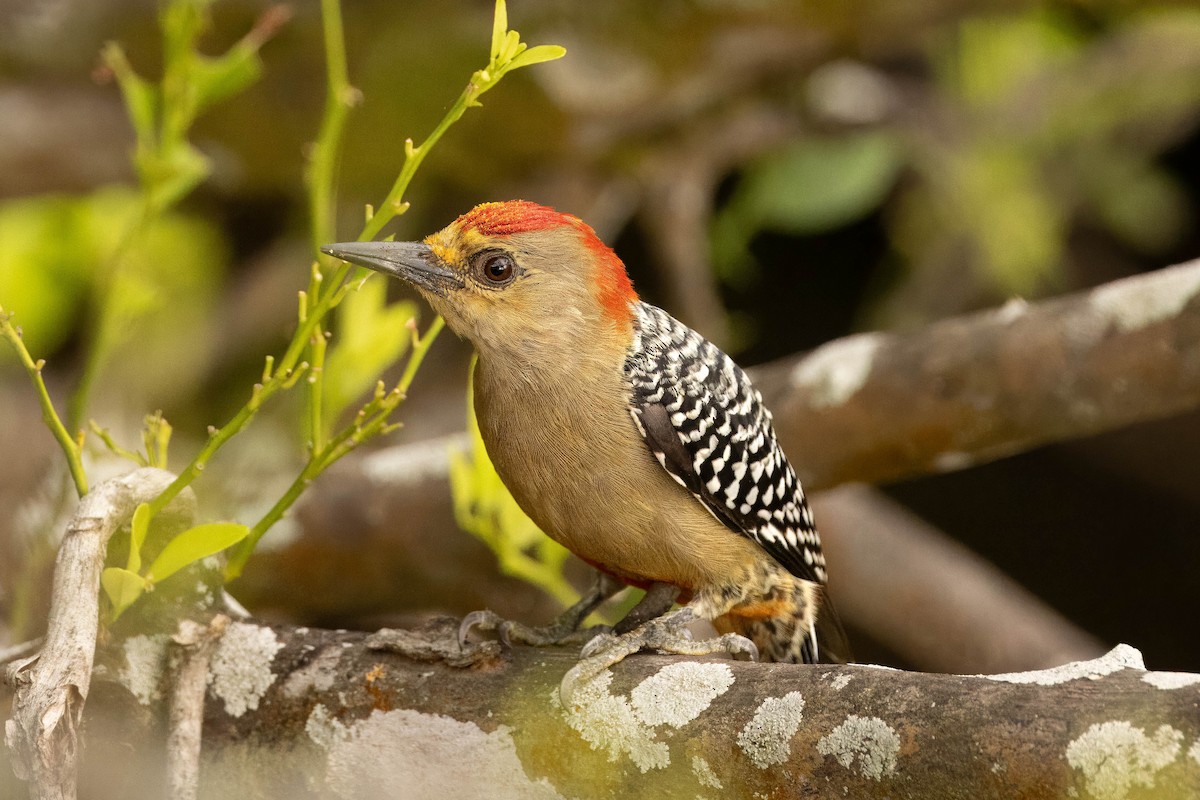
x=52 y=686
x=194 y=648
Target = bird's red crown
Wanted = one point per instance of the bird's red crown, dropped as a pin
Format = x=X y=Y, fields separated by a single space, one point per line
x=613 y=287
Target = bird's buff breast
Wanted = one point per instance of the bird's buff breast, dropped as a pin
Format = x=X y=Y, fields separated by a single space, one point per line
x=579 y=468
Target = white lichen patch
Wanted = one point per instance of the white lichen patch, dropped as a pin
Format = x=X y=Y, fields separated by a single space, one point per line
x=867 y=744
x=240 y=672
x=145 y=661
x=403 y=753
x=1171 y=680
x=1134 y=304
x=316 y=676
x=1194 y=751
x=678 y=693
x=839 y=681
x=1120 y=657
x=1114 y=757
x=833 y=373
x=323 y=728
x=704 y=773
x=608 y=722
x=767 y=737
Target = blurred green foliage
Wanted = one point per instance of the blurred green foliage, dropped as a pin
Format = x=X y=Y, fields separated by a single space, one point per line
x=809 y=186
x=52 y=267
x=1029 y=125
x=142 y=264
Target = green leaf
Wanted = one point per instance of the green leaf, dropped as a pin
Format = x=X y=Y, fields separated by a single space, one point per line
x=819 y=184
x=137 y=536
x=536 y=55
x=811 y=185
x=122 y=587
x=499 y=28
x=193 y=545
x=511 y=46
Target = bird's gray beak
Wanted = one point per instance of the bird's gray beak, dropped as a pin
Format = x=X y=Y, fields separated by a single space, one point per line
x=413 y=262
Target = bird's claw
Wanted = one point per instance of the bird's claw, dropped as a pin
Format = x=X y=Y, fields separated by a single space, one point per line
x=510 y=632
x=484 y=619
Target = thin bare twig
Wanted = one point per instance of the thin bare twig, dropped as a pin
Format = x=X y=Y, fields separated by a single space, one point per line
x=194 y=648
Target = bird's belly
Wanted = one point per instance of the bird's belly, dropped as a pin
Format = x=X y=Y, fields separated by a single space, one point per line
x=605 y=498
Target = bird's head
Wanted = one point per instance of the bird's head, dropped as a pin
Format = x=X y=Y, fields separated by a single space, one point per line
x=511 y=275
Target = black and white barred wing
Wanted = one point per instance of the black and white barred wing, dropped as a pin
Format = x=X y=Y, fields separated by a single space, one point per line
x=708 y=427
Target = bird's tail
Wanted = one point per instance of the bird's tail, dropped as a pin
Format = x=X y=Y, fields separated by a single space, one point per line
x=803 y=630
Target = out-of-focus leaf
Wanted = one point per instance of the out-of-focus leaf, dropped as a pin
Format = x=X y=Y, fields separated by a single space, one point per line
x=45 y=268
x=193 y=545
x=214 y=79
x=122 y=587
x=1138 y=202
x=137 y=536
x=1001 y=204
x=141 y=97
x=997 y=55
x=371 y=338
x=811 y=185
x=173 y=172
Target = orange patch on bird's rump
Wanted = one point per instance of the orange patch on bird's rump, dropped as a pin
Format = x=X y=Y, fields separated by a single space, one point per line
x=763 y=609
x=614 y=290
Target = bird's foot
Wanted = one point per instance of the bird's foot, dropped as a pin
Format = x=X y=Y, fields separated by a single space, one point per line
x=564 y=630
x=667 y=634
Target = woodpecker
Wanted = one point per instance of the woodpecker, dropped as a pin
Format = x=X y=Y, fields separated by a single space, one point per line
x=626 y=436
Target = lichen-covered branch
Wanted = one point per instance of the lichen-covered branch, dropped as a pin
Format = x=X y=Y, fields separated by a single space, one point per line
x=293 y=712
x=51 y=687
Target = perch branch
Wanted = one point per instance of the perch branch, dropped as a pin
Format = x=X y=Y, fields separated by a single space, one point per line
x=325 y=711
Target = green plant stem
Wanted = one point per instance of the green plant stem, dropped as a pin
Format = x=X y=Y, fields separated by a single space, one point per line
x=262 y=392
x=370 y=420
x=339 y=98
x=101 y=344
x=330 y=291
x=71 y=447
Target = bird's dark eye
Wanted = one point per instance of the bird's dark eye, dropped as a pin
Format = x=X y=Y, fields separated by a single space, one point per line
x=498 y=268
